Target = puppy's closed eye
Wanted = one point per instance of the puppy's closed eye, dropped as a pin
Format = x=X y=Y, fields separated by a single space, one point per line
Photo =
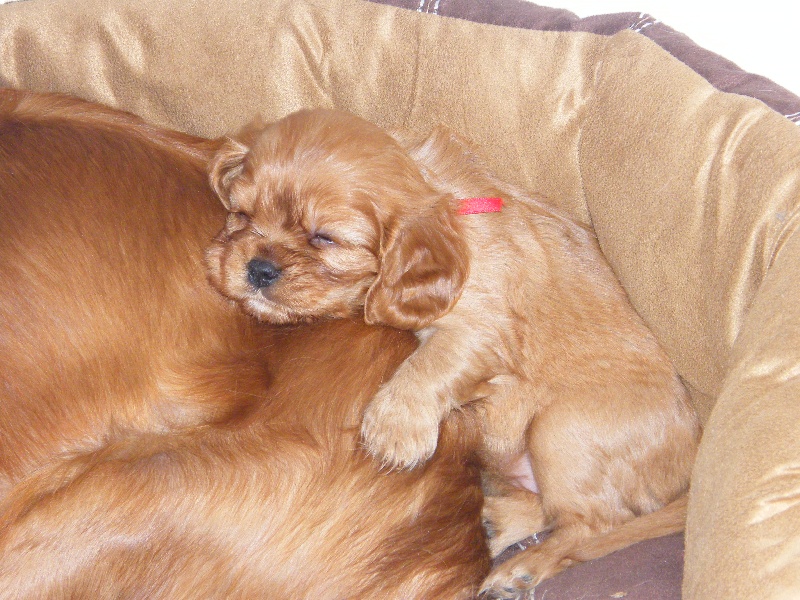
x=322 y=240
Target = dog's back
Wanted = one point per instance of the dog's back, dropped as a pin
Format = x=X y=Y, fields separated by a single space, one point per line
x=101 y=284
x=156 y=443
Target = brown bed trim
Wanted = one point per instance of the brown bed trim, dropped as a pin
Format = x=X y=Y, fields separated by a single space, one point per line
x=717 y=70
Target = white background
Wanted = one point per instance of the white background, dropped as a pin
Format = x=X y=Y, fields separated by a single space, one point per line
x=761 y=36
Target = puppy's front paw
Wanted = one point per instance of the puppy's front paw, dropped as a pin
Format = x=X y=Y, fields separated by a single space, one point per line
x=400 y=432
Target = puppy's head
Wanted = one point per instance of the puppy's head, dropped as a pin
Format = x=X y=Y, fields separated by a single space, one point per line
x=330 y=217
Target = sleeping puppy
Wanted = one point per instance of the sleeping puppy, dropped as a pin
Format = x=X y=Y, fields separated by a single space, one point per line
x=517 y=313
x=157 y=443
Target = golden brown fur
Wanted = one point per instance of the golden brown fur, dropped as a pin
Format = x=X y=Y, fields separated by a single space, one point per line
x=157 y=443
x=518 y=315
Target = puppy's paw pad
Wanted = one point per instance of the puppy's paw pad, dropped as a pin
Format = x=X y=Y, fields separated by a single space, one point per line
x=516 y=589
x=399 y=434
x=511 y=579
x=524 y=571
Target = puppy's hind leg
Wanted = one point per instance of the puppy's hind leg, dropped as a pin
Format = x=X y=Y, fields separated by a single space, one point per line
x=576 y=543
x=521 y=573
x=577 y=500
x=602 y=488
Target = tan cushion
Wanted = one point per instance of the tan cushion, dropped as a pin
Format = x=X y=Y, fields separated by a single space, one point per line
x=690 y=190
x=744 y=523
x=693 y=193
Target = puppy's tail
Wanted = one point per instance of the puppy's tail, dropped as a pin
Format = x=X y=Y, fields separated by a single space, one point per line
x=669 y=519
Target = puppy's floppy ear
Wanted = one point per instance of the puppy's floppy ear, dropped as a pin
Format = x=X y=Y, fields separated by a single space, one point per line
x=424 y=266
x=225 y=167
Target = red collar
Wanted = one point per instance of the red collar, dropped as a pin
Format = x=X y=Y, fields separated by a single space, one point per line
x=474 y=206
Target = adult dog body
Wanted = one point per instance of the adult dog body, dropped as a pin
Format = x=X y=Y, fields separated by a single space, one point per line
x=157 y=443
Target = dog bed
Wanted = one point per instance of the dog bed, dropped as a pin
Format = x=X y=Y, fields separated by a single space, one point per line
x=687 y=168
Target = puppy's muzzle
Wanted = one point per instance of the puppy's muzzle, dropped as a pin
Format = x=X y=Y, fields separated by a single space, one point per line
x=262 y=273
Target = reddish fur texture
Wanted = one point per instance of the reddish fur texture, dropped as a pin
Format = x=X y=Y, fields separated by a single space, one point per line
x=518 y=314
x=154 y=441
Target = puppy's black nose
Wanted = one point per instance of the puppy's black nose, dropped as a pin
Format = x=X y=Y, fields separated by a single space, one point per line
x=262 y=273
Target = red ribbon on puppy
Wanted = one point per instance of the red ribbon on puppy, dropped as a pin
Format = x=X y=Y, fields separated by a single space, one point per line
x=474 y=206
